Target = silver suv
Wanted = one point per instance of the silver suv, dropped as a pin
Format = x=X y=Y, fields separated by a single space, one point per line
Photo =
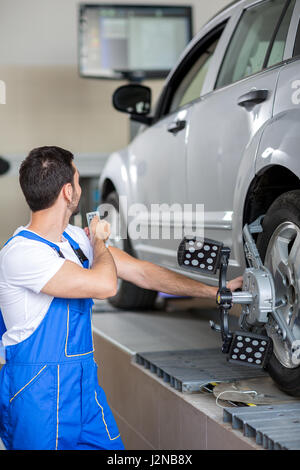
x=224 y=133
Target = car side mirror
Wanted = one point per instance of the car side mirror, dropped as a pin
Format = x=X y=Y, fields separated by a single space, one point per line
x=4 y=166
x=135 y=100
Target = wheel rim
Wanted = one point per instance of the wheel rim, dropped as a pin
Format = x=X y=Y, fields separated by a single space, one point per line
x=282 y=254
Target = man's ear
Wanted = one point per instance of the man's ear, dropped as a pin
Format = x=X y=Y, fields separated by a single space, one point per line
x=67 y=191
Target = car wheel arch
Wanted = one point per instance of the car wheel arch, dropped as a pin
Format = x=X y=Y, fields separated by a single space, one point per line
x=107 y=188
x=267 y=185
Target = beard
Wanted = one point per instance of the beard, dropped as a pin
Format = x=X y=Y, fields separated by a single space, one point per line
x=76 y=210
x=74 y=205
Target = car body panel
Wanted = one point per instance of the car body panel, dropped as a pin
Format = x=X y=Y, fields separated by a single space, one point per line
x=280 y=143
x=116 y=171
x=157 y=173
x=215 y=157
x=158 y=167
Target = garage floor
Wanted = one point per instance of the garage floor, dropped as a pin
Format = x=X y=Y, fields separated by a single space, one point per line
x=150 y=413
x=169 y=329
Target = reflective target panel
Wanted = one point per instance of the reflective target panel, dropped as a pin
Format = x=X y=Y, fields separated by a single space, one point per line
x=250 y=349
x=199 y=254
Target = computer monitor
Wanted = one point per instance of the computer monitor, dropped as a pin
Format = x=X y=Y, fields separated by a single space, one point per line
x=131 y=41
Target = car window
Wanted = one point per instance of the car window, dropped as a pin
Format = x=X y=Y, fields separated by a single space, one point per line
x=250 y=42
x=190 y=87
x=296 y=50
x=277 y=51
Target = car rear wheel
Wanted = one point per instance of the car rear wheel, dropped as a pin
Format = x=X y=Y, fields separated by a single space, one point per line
x=279 y=247
x=128 y=296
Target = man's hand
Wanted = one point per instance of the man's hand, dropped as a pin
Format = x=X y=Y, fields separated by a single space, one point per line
x=98 y=230
x=236 y=283
x=100 y=281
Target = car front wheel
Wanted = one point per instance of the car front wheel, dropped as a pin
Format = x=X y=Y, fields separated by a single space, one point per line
x=279 y=247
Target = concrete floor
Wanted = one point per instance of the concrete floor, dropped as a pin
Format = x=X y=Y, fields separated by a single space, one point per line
x=157 y=330
x=150 y=413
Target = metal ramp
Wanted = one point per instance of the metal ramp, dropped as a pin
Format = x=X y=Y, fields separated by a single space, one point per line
x=192 y=370
x=274 y=427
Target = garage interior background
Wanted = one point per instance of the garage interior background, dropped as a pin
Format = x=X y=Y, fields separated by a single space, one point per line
x=47 y=103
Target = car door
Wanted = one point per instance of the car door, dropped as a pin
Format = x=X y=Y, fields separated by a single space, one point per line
x=224 y=121
x=158 y=171
x=157 y=162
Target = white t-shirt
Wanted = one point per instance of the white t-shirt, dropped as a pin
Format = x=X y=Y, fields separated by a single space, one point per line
x=25 y=267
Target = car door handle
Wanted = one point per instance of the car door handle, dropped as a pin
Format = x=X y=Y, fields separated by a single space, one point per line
x=176 y=126
x=252 y=97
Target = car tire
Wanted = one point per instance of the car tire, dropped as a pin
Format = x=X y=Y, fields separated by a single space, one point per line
x=285 y=209
x=129 y=296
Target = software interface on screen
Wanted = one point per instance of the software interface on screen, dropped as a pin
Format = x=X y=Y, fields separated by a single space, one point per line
x=131 y=38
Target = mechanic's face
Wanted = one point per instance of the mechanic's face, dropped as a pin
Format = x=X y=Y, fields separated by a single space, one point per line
x=74 y=204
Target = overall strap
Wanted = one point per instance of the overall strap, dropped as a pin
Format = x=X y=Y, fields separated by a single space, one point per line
x=77 y=250
x=34 y=236
x=2 y=326
x=74 y=245
x=31 y=236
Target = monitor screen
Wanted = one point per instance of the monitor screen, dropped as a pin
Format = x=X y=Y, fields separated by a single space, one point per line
x=131 y=41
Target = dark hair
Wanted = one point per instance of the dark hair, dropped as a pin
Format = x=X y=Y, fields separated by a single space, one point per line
x=42 y=175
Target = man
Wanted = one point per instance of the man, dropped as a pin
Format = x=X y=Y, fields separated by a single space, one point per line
x=49 y=394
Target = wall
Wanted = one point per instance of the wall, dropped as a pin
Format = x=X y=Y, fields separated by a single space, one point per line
x=47 y=103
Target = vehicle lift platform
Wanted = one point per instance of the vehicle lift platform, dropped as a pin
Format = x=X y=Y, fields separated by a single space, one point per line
x=186 y=359
x=174 y=389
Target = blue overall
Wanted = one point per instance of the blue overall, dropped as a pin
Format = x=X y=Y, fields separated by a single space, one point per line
x=49 y=392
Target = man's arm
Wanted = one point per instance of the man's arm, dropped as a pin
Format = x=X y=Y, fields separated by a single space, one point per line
x=151 y=276
x=99 y=282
